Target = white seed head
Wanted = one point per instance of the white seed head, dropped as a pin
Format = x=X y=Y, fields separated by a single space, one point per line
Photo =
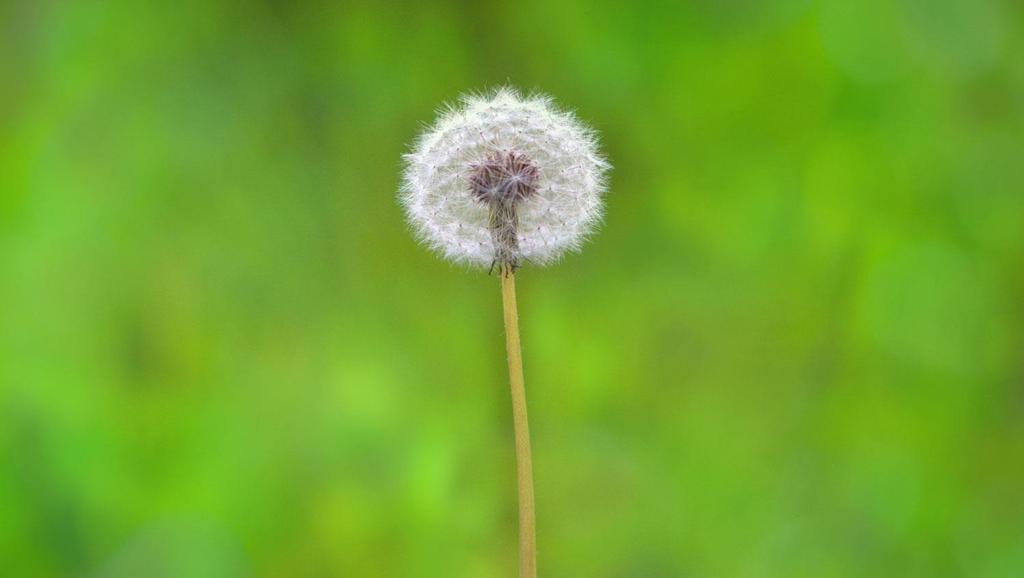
x=501 y=178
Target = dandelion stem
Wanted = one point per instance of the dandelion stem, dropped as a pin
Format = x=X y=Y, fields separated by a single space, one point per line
x=524 y=465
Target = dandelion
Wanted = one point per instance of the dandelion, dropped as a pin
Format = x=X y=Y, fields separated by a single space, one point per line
x=497 y=181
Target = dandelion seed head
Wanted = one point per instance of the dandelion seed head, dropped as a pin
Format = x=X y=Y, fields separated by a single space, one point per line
x=503 y=178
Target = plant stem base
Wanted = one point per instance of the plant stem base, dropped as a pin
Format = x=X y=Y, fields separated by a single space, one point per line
x=524 y=461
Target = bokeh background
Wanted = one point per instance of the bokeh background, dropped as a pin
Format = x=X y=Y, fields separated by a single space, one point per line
x=795 y=348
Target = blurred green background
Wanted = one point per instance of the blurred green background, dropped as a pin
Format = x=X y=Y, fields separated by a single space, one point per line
x=795 y=348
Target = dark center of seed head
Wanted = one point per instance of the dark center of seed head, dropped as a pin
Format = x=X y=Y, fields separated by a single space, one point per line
x=503 y=178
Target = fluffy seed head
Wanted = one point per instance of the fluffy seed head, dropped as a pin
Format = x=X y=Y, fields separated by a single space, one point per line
x=500 y=178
